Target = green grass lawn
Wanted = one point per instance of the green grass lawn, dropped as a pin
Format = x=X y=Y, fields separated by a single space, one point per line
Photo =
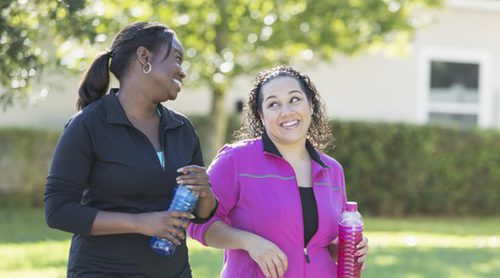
x=419 y=247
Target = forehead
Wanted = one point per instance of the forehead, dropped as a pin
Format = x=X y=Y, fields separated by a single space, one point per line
x=281 y=86
x=176 y=45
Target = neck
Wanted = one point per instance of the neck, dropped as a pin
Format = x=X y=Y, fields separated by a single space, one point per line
x=135 y=103
x=293 y=152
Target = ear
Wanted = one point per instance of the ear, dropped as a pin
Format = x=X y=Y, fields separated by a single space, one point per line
x=143 y=55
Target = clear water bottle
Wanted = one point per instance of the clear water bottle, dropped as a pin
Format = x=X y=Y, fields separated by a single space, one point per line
x=184 y=200
x=350 y=234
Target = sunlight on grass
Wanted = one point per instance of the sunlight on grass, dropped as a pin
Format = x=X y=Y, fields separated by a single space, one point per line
x=39 y=259
x=421 y=239
x=385 y=260
x=49 y=259
x=470 y=248
x=432 y=262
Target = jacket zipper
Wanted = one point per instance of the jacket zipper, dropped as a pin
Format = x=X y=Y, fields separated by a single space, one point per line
x=307 y=255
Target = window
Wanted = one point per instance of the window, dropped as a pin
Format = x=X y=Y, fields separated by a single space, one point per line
x=454 y=93
x=454 y=88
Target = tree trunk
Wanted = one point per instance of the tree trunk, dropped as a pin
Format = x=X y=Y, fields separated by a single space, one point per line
x=219 y=122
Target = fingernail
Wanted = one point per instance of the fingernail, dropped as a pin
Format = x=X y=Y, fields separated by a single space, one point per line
x=191 y=216
x=180 y=170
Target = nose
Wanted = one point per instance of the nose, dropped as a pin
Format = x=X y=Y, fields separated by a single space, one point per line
x=182 y=73
x=285 y=109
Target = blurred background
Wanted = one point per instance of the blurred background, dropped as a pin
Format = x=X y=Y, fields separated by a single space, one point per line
x=412 y=88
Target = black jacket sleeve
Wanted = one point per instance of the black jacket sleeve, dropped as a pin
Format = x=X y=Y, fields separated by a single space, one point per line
x=67 y=180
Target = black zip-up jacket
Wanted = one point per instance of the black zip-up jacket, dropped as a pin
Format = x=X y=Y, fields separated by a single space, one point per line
x=102 y=162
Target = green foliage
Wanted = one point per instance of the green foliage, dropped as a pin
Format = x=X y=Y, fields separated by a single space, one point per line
x=30 y=31
x=390 y=169
x=24 y=161
x=400 y=169
x=224 y=39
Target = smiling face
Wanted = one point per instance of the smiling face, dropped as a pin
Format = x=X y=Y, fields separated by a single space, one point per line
x=286 y=111
x=167 y=71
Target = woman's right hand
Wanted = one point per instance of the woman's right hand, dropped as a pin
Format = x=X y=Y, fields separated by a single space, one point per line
x=271 y=260
x=166 y=224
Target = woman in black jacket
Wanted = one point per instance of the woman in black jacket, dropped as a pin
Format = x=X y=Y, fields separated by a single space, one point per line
x=119 y=159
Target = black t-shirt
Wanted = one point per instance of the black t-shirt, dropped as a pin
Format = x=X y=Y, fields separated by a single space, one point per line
x=102 y=162
x=309 y=213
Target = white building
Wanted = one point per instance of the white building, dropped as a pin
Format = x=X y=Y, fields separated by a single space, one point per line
x=451 y=75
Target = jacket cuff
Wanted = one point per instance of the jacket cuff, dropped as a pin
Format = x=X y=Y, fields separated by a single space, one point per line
x=199 y=220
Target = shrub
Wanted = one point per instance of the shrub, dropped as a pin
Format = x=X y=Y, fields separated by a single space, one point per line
x=400 y=169
x=391 y=169
x=24 y=161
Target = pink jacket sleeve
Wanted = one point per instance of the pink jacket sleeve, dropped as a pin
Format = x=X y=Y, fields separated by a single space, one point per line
x=222 y=175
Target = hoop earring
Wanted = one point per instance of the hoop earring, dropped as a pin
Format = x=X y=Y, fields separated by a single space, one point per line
x=147 y=68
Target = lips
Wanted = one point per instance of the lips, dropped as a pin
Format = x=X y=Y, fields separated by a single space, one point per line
x=290 y=124
x=178 y=83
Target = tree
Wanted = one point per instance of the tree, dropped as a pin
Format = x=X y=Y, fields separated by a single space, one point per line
x=223 y=38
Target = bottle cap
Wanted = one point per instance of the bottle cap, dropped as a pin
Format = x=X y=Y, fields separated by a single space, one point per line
x=352 y=206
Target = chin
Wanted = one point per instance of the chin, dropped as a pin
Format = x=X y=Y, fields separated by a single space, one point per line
x=290 y=139
x=172 y=95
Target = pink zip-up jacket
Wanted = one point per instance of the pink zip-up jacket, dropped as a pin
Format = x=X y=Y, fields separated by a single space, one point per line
x=257 y=192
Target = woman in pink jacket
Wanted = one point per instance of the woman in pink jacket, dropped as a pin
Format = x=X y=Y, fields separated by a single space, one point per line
x=280 y=198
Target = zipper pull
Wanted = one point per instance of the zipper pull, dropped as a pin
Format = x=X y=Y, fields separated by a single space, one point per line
x=307 y=255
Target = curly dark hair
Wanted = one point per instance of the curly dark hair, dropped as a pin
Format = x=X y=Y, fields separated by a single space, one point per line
x=319 y=133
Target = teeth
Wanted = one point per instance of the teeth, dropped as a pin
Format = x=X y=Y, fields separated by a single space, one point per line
x=179 y=83
x=290 y=123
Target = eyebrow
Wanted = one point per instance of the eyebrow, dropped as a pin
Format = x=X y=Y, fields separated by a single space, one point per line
x=174 y=49
x=291 y=92
x=179 y=52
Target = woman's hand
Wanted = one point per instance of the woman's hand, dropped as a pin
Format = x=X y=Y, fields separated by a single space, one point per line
x=333 y=248
x=271 y=260
x=166 y=224
x=195 y=177
x=361 y=253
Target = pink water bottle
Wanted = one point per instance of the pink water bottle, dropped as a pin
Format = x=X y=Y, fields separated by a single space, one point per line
x=350 y=234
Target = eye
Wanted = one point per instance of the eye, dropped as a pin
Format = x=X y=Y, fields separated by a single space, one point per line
x=294 y=99
x=272 y=104
x=178 y=59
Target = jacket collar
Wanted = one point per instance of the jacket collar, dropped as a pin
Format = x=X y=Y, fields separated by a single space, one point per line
x=115 y=114
x=269 y=147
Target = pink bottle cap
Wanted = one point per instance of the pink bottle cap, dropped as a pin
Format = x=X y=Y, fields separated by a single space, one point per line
x=352 y=206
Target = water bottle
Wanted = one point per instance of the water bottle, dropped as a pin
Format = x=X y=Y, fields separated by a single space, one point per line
x=350 y=234
x=184 y=200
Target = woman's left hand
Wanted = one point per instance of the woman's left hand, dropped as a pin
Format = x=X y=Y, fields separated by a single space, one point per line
x=362 y=252
x=195 y=178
